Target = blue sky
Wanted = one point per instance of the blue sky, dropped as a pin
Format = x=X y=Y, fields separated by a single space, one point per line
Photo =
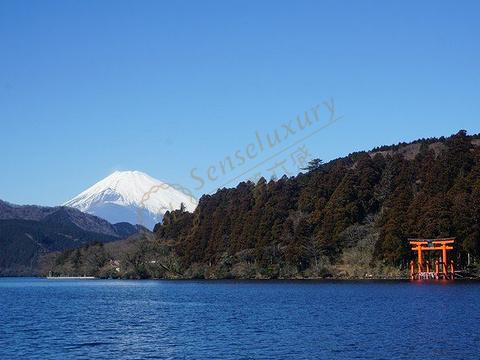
x=89 y=87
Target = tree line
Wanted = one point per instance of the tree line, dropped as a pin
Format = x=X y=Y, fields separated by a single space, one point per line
x=350 y=217
x=429 y=188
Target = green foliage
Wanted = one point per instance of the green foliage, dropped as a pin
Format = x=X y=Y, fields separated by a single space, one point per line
x=313 y=165
x=349 y=217
x=429 y=188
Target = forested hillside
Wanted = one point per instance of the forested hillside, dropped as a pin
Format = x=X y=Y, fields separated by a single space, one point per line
x=350 y=217
x=29 y=232
x=428 y=188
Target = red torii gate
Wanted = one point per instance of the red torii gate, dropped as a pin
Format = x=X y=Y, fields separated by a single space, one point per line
x=443 y=269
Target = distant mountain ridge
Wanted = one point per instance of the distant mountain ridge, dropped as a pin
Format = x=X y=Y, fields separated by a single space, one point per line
x=29 y=231
x=132 y=196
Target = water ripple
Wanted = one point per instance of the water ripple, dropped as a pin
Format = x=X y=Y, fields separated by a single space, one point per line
x=42 y=319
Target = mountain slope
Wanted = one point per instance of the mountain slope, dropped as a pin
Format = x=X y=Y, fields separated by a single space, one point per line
x=349 y=218
x=357 y=210
x=131 y=196
x=28 y=232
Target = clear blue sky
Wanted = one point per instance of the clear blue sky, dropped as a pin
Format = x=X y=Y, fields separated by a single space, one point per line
x=89 y=87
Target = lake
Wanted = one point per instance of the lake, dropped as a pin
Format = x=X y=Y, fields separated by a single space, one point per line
x=110 y=319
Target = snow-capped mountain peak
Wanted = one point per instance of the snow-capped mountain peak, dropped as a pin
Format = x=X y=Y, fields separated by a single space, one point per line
x=132 y=196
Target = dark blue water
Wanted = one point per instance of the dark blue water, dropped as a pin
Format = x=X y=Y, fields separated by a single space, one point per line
x=238 y=320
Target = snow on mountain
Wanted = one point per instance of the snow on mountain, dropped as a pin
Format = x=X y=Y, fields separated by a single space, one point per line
x=132 y=196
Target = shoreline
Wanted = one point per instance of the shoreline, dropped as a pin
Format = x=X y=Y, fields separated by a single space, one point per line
x=312 y=280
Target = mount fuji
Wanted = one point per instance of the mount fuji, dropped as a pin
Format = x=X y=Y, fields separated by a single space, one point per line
x=132 y=196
